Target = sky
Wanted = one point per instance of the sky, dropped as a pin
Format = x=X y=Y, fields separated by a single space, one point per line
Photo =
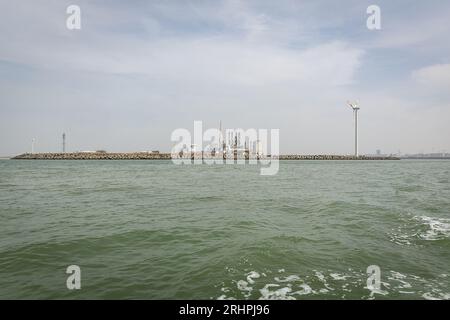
x=138 y=70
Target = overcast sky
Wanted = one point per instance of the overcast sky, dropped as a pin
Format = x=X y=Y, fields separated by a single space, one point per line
x=137 y=70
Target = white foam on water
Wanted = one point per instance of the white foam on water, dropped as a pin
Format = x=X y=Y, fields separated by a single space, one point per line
x=281 y=290
x=428 y=296
x=224 y=297
x=279 y=294
x=252 y=275
x=294 y=286
x=374 y=291
x=243 y=286
x=405 y=285
x=439 y=228
x=320 y=276
x=436 y=294
x=337 y=276
x=322 y=279
x=435 y=229
x=399 y=277
x=305 y=290
x=290 y=278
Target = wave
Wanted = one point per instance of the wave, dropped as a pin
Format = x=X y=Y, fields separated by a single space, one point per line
x=333 y=285
x=421 y=228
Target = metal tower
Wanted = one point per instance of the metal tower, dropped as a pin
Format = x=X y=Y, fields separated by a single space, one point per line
x=64 y=143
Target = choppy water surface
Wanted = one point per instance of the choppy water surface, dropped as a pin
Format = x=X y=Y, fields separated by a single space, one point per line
x=151 y=229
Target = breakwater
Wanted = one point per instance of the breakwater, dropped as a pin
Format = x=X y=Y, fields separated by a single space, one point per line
x=333 y=157
x=168 y=156
x=95 y=156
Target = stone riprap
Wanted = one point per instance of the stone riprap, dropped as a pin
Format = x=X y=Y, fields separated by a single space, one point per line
x=168 y=156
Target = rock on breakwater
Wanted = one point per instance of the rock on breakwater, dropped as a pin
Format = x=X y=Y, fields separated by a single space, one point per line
x=332 y=157
x=168 y=156
x=94 y=156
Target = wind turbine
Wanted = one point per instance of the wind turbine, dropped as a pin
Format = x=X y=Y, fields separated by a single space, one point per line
x=355 y=107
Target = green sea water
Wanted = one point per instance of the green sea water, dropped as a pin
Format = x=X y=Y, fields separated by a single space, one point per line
x=155 y=230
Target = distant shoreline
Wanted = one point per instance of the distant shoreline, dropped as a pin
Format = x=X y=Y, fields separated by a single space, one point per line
x=168 y=156
x=425 y=158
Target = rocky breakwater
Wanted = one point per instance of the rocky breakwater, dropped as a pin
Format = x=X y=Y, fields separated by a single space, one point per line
x=94 y=156
x=332 y=157
x=168 y=156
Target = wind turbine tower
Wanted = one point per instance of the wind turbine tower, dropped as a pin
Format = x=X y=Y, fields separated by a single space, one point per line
x=355 y=107
x=64 y=143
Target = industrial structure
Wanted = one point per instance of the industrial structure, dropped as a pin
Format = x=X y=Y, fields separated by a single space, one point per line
x=231 y=144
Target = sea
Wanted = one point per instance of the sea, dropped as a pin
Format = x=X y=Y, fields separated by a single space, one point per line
x=156 y=230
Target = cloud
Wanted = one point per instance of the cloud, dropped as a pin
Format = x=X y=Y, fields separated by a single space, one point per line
x=436 y=76
x=246 y=52
x=407 y=25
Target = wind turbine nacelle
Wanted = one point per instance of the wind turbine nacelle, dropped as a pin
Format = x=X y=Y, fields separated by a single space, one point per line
x=353 y=105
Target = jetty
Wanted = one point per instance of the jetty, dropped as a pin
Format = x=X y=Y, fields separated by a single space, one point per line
x=168 y=156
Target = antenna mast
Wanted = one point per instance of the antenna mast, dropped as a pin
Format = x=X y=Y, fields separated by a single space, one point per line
x=64 y=143
x=32 y=145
